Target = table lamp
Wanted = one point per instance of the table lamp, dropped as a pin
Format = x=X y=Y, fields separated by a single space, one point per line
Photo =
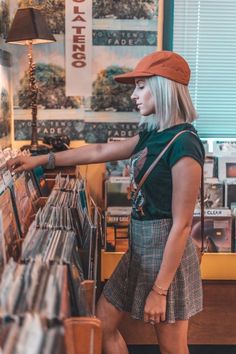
x=29 y=27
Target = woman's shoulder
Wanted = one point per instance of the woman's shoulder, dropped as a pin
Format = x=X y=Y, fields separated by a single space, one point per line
x=187 y=143
x=189 y=138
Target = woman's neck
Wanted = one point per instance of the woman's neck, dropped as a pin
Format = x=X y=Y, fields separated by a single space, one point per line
x=177 y=121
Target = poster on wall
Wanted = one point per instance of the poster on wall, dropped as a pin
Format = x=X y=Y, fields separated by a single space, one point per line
x=119 y=34
x=123 y=32
x=53 y=10
x=78 y=54
x=4 y=18
x=5 y=62
x=5 y=99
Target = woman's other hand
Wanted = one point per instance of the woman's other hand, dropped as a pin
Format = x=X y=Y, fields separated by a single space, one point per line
x=155 y=308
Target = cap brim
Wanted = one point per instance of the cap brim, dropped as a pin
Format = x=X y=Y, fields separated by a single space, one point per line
x=129 y=78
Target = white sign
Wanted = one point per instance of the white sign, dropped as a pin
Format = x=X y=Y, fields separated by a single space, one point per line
x=213 y=212
x=78 y=48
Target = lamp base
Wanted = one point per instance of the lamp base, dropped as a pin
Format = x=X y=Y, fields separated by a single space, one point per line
x=36 y=149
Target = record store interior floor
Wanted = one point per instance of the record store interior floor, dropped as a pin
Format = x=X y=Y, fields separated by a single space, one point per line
x=194 y=349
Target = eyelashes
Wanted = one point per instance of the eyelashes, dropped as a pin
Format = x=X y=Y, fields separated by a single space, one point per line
x=140 y=84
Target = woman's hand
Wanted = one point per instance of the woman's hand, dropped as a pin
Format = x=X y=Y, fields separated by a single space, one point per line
x=25 y=163
x=155 y=308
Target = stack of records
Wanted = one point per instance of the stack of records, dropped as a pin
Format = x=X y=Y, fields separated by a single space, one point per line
x=68 y=184
x=34 y=287
x=31 y=337
x=51 y=245
x=59 y=218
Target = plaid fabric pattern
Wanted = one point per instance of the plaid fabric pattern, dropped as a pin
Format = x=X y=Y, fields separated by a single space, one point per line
x=132 y=280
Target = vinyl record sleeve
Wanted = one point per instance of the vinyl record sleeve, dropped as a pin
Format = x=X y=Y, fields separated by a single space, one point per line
x=10 y=230
x=217 y=233
x=31 y=186
x=41 y=182
x=23 y=204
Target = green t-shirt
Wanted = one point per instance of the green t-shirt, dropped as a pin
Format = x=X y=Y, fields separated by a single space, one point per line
x=156 y=193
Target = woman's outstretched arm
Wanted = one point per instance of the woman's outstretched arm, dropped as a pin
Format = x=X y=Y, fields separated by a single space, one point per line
x=88 y=154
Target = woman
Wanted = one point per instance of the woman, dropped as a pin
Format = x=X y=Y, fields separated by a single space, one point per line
x=158 y=279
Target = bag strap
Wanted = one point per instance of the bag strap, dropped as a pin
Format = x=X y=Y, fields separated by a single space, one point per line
x=202 y=211
x=151 y=167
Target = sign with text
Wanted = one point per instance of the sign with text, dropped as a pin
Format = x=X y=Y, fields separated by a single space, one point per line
x=91 y=132
x=124 y=38
x=78 y=48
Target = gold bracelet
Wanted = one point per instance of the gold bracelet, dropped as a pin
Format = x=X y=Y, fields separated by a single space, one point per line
x=164 y=291
x=158 y=292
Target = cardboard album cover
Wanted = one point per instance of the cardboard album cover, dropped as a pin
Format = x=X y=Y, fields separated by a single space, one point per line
x=10 y=230
x=217 y=230
x=23 y=204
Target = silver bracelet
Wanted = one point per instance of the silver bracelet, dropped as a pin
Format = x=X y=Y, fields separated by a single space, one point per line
x=51 y=161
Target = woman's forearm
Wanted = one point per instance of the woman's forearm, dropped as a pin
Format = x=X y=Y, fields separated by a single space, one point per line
x=172 y=255
x=88 y=154
x=80 y=156
x=96 y=153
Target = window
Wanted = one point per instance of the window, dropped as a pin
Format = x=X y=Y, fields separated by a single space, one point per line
x=205 y=34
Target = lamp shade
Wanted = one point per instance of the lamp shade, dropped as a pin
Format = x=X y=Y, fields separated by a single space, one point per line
x=29 y=25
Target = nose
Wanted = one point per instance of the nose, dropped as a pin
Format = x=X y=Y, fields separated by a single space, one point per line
x=134 y=95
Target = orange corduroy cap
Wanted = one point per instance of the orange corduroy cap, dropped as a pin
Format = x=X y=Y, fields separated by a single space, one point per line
x=161 y=63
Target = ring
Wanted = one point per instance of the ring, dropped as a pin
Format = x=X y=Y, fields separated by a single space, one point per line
x=152 y=322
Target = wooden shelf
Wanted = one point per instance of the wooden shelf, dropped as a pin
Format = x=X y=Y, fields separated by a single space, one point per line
x=214 y=266
x=109 y=261
x=83 y=335
x=218 y=266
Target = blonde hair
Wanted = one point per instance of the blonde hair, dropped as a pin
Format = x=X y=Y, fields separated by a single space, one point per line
x=172 y=104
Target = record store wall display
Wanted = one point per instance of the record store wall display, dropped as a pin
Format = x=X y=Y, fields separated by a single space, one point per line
x=217 y=230
x=213 y=194
x=230 y=195
x=95 y=40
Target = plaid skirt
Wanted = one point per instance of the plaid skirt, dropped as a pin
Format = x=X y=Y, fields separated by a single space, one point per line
x=134 y=276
